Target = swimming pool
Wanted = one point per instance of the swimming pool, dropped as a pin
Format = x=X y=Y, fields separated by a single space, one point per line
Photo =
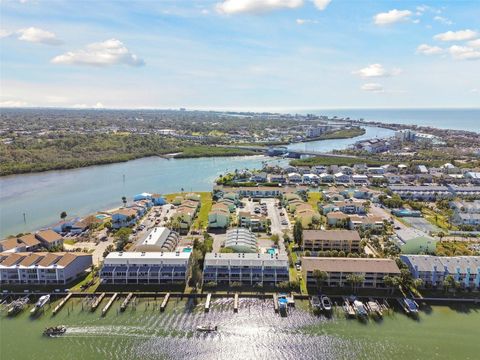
x=187 y=250
x=272 y=251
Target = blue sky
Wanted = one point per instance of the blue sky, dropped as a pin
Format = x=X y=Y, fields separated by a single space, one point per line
x=240 y=54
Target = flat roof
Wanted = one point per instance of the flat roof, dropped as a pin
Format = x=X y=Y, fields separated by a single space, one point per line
x=137 y=257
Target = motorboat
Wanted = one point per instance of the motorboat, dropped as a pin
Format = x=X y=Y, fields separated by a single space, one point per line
x=359 y=308
x=374 y=308
x=40 y=303
x=282 y=302
x=411 y=306
x=18 y=305
x=326 y=303
x=55 y=331
x=207 y=328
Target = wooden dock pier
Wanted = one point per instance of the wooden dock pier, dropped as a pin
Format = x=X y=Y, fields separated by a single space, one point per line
x=97 y=302
x=275 y=303
x=207 y=303
x=164 y=302
x=110 y=302
x=63 y=302
x=235 y=303
x=125 y=302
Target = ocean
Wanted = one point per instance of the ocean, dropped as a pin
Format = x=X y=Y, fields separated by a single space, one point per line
x=458 y=119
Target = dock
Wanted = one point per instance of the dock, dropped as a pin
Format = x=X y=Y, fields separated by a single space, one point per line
x=207 y=303
x=235 y=303
x=60 y=305
x=125 y=302
x=97 y=302
x=110 y=302
x=275 y=303
x=164 y=302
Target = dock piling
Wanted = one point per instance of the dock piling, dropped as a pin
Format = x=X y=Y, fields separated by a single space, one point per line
x=207 y=303
x=235 y=303
x=97 y=302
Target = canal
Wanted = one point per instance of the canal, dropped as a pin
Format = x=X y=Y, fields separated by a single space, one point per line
x=30 y=201
x=255 y=332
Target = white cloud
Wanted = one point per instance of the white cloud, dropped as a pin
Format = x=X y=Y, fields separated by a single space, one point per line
x=256 y=6
x=306 y=21
x=464 y=53
x=474 y=43
x=375 y=71
x=321 y=4
x=460 y=35
x=372 y=87
x=98 y=105
x=443 y=20
x=392 y=16
x=104 y=53
x=4 y=33
x=429 y=49
x=36 y=35
x=13 y=103
x=474 y=90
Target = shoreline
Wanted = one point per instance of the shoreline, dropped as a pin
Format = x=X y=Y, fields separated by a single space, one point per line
x=177 y=155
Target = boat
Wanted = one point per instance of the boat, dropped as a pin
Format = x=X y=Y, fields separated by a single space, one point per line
x=40 y=303
x=55 y=331
x=359 y=309
x=282 y=302
x=316 y=303
x=326 y=303
x=375 y=308
x=411 y=306
x=206 y=328
x=349 y=311
x=18 y=305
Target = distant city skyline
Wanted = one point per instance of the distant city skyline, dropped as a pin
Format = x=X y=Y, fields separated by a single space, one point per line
x=272 y=55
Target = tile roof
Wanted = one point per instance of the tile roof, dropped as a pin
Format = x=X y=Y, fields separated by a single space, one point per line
x=350 y=265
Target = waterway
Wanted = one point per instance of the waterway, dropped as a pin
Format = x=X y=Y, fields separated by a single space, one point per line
x=43 y=196
x=255 y=332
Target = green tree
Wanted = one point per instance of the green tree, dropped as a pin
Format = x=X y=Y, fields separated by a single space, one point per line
x=355 y=280
x=320 y=277
x=124 y=200
x=63 y=215
x=298 y=232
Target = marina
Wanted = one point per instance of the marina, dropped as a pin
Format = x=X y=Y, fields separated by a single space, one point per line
x=141 y=332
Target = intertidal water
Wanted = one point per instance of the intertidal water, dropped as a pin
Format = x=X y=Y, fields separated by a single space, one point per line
x=255 y=332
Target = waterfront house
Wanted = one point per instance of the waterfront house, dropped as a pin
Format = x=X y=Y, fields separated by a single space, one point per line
x=124 y=217
x=246 y=269
x=260 y=177
x=326 y=178
x=241 y=240
x=433 y=270
x=276 y=178
x=366 y=223
x=41 y=268
x=340 y=240
x=49 y=238
x=158 y=200
x=338 y=270
x=145 y=267
x=23 y=243
x=257 y=192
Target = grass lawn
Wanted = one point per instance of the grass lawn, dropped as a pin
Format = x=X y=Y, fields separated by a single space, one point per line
x=206 y=205
x=69 y=241
x=86 y=279
x=437 y=218
x=314 y=198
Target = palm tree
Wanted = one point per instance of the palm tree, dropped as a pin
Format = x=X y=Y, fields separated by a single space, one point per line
x=355 y=280
x=124 y=200
x=63 y=215
x=320 y=277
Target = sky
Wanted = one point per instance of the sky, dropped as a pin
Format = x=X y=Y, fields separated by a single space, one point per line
x=240 y=54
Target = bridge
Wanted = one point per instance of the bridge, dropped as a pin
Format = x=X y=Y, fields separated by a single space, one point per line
x=284 y=151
